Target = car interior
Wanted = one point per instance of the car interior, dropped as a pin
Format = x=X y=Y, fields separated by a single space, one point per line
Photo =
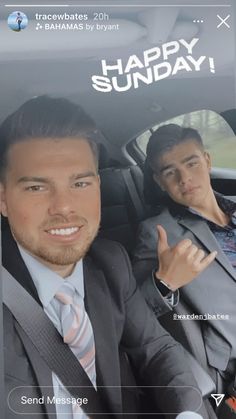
x=58 y=66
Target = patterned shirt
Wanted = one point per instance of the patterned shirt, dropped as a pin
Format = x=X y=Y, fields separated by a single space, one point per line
x=226 y=236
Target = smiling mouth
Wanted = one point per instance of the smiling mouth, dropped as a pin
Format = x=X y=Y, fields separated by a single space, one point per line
x=68 y=231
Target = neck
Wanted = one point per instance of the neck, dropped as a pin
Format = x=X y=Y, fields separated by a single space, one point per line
x=211 y=210
x=61 y=270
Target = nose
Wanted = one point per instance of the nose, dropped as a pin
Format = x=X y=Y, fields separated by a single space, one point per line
x=61 y=203
x=184 y=176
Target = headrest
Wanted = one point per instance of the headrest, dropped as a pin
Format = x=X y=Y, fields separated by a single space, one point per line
x=104 y=159
x=230 y=117
x=153 y=194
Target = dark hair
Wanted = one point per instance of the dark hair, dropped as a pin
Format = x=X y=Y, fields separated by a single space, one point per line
x=168 y=136
x=46 y=117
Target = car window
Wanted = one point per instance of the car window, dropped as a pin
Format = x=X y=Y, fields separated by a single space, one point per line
x=218 y=137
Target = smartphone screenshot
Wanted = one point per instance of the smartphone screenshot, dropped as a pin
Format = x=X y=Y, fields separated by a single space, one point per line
x=118 y=209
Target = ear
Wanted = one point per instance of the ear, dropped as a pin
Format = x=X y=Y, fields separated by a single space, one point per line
x=3 y=205
x=158 y=181
x=208 y=160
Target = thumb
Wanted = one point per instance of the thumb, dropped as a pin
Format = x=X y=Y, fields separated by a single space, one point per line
x=162 y=244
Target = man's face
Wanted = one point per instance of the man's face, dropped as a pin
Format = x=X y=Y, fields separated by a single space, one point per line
x=51 y=196
x=183 y=172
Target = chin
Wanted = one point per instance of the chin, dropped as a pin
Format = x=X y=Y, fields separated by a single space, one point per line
x=68 y=256
x=194 y=203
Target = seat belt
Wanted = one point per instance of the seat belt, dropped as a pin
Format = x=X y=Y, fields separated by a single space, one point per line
x=49 y=344
x=135 y=199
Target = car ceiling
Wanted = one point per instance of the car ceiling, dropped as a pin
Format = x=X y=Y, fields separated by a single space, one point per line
x=35 y=63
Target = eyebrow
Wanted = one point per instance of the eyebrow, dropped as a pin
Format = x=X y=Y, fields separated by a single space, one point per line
x=82 y=175
x=40 y=179
x=185 y=160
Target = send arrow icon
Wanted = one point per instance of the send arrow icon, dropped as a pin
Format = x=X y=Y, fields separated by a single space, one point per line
x=218 y=398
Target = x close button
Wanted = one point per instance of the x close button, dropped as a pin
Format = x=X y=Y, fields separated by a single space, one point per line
x=223 y=21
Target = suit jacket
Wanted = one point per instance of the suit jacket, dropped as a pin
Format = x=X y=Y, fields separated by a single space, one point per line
x=120 y=319
x=211 y=292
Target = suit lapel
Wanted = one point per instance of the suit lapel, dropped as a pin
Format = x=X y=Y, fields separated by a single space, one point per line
x=99 y=308
x=203 y=233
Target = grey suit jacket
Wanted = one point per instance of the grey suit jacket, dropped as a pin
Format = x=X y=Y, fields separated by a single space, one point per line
x=120 y=320
x=212 y=292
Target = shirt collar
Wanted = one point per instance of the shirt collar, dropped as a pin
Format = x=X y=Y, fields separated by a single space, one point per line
x=48 y=282
x=227 y=205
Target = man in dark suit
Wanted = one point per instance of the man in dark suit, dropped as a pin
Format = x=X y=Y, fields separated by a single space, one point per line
x=50 y=195
x=196 y=230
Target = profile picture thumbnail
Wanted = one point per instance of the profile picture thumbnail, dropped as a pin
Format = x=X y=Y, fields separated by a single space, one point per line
x=17 y=21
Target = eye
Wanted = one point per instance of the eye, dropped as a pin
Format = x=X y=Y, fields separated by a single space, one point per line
x=35 y=188
x=192 y=163
x=169 y=173
x=81 y=184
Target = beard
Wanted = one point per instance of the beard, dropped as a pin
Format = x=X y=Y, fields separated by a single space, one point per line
x=62 y=255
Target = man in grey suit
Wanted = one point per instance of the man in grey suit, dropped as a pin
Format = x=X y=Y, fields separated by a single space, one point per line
x=50 y=196
x=189 y=249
